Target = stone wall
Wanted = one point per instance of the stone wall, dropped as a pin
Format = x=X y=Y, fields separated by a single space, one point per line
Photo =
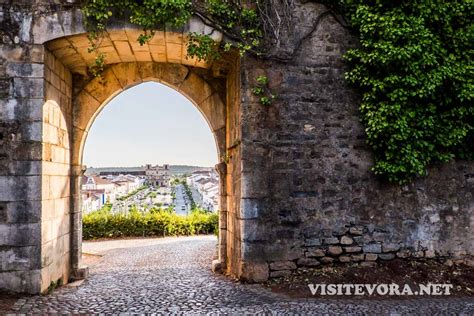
x=21 y=104
x=56 y=165
x=310 y=196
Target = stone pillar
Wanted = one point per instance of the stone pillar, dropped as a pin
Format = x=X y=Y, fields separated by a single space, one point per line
x=78 y=271
x=219 y=265
x=21 y=101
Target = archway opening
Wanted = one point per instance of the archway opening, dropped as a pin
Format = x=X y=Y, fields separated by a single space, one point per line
x=149 y=158
x=73 y=103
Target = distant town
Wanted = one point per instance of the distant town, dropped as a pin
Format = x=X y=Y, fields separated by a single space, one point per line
x=177 y=189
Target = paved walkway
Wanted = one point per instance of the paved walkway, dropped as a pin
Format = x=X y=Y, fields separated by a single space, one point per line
x=172 y=275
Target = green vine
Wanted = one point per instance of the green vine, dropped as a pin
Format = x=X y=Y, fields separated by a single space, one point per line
x=239 y=23
x=415 y=72
x=262 y=91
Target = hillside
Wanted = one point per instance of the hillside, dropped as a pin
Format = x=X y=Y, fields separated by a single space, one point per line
x=175 y=169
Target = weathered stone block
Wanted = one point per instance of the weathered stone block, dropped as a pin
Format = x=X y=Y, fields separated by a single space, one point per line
x=352 y=249
x=334 y=250
x=326 y=260
x=390 y=247
x=371 y=257
x=19 y=258
x=312 y=242
x=315 y=253
x=359 y=230
x=46 y=28
x=386 y=256
x=251 y=208
x=346 y=240
x=331 y=241
x=404 y=253
x=254 y=272
x=251 y=231
x=282 y=265
x=21 y=281
x=358 y=257
x=308 y=262
x=24 y=70
x=373 y=248
x=19 y=234
x=380 y=236
x=344 y=259
x=28 y=87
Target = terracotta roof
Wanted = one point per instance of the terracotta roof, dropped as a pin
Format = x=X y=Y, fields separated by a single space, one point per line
x=84 y=179
x=98 y=180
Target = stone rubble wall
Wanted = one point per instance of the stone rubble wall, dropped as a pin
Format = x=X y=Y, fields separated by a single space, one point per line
x=310 y=196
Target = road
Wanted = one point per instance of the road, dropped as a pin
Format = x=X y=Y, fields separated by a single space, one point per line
x=182 y=206
x=172 y=276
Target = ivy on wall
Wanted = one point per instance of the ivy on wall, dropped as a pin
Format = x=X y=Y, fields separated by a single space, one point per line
x=415 y=72
x=239 y=22
x=413 y=66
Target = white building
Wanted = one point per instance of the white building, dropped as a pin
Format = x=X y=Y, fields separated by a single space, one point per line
x=126 y=183
x=93 y=183
x=206 y=184
x=99 y=190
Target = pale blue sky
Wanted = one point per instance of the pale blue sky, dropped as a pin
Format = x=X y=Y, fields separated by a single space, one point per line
x=149 y=123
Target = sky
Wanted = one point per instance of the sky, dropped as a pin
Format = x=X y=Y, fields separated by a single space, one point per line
x=149 y=123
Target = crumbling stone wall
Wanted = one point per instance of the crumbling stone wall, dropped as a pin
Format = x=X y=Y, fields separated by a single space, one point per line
x=310 y=196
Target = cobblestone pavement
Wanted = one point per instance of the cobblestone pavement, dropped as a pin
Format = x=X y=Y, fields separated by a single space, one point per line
x=172 y=275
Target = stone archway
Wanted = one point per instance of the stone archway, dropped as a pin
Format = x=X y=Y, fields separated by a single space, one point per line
x=72 y=105
x=97 y=93
x=297 y=173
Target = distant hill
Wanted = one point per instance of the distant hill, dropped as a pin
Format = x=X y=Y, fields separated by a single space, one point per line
x=175 y=169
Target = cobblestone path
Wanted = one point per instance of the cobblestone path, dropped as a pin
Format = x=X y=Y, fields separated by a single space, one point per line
x=172 y=275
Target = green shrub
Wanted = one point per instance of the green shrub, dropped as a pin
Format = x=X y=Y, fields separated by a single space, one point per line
x=156 y=222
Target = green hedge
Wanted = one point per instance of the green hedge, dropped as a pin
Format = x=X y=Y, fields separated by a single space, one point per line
x=103 y=224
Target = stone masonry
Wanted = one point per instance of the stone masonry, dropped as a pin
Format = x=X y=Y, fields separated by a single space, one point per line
x=296 y=191
x=309 y=195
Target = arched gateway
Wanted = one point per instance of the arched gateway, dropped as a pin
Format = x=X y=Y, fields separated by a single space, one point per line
x=296 y=187
x=69 y=109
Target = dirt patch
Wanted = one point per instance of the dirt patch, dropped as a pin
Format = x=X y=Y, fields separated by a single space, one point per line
x=90 y=260
x=6 y=302
x=396 y=271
